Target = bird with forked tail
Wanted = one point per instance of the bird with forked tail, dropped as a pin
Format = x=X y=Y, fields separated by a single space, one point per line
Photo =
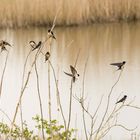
x=37 y=46
x=122 y=100
x=119 y=65
x=73 y=73
x=51 y=34
x=3 y=44
x=47 y=56
x=32 y=44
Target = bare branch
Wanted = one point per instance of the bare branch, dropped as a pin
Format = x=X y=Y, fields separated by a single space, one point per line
x=108 y=101
x=71 y=88
x=58 y=94
x=1 y=83
x=40 y=101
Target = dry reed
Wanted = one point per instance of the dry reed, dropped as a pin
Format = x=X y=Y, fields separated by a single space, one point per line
x=40 y=101
x=17 y=13
x=2 y=77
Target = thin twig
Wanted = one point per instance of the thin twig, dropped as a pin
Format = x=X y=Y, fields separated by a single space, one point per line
x=25 y=85
x=23 y=76
x=58 y=94
x=49 y=93
x=1 y=83
x=116 y=125
x=5 y=115
x=83 y=91
x=108 y=101
x=54 y=21
x=40 y=102
x=93 y=119
x=70 y=101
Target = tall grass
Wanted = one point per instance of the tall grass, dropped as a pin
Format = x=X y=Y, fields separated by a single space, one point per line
x=18 y=13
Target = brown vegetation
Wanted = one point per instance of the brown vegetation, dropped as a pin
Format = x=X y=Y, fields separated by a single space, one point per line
x=19 y=13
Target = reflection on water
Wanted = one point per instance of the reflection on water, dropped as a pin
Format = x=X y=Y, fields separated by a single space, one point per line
x=105 y=43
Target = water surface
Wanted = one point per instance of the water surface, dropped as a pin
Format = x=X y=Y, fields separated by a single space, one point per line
x=104 y=44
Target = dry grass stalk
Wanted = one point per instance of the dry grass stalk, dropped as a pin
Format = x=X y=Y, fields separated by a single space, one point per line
x=71 y=95
x=25 y=84
x=58 y=94
x=40 y=102
x=2 y=77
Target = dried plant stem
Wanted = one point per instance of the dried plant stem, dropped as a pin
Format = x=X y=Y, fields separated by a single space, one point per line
x=5 y=115
x=70 y=98
x=70 y=105
x=113 y=115
x=49 y=76
x=24 y=87
x=83 y=94
x=23 y=76
x=107 y=107
x=58 y=94
x=116 y=125
x=49 y=86
x=1 y=83
x=21 y=118
x=49 y=94
x=40 y=102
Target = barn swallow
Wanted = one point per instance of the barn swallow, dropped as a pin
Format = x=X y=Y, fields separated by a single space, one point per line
x=3 y=44
x=32 y=44
x=47 y=56
x=51 y=34
x=119 y=65
x=37 y=46
x=73 y=73
x=6 y=43
x=122 y=100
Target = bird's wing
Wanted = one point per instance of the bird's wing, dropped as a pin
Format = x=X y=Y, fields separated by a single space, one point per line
x=121 y=100
x=6 y=43
x=32 y=42
x=54 y=37
x=116 y=64
x=39 y=44
x=68 y=74
x=73 y=70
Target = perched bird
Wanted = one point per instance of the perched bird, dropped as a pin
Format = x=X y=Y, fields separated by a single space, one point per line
x=51 y=34
x=6 y=43
x=3 y=44
x=47 y=56
x=122 y=99
x=37 y=46
x=32 y=44
x=73 y=73
x=119 y=65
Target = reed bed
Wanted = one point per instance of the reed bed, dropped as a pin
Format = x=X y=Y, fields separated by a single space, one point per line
x=19 y=13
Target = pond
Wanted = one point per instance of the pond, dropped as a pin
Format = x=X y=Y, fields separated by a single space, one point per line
x=98 y=45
